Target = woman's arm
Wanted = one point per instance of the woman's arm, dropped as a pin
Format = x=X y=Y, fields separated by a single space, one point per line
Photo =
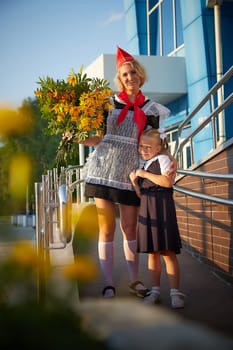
x=173 y=166
x=161 y=180
x=90 y=141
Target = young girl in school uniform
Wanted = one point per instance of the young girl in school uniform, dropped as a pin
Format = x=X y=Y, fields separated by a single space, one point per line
x=157 y=229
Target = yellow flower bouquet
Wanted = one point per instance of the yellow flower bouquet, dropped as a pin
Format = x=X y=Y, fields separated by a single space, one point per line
x=76 y=105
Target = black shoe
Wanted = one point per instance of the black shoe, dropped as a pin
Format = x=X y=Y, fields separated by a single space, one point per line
x=109 y=288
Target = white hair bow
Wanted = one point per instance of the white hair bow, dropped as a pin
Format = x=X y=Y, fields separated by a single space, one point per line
x=162 y=133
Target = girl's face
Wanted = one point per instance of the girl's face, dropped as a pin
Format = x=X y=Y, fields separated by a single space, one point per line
x=148 y=147
x=129 y=79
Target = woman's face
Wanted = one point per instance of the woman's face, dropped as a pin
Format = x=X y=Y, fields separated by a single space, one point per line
x=129 y=78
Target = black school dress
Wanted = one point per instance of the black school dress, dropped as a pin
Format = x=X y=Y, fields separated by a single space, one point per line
x=157 y=222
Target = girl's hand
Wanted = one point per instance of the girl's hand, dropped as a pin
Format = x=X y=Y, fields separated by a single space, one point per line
x=133 y=177
x=140 y=173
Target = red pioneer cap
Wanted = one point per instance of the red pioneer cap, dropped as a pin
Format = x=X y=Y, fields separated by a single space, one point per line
x=122 y=57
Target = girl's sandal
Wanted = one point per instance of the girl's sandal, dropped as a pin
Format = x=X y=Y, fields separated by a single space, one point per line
x=109 y=295
x=141 y=293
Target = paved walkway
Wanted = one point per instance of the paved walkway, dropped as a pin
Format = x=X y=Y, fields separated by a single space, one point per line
x=209 y=300
x=125 y=320
x=9 y=234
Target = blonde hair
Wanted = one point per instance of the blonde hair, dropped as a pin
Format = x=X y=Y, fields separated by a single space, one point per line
x=140 y=70
x=156 y=135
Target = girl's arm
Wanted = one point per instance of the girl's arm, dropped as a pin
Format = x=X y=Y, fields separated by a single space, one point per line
x=161 y=180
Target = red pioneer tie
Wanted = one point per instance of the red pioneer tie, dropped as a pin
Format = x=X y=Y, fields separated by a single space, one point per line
x=139 y=115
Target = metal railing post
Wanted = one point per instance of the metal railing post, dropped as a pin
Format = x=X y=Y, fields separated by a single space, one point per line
x=39 y=242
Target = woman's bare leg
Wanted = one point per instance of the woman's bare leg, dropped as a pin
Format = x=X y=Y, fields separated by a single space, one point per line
x=128 y=224
x=106 y=212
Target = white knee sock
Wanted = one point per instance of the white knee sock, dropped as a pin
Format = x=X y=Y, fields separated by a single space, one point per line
x=155 y=289
x=106 y=257
x=132 y=260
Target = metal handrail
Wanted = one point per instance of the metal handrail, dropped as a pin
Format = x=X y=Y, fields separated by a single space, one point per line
x=209 y=119
x=189 y=139
x=212 y=91
x=199 y=195
x=53 y=216
x=203 y=196
x=223 y=177
x=54 y=206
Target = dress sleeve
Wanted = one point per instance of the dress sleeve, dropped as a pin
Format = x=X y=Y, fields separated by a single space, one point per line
x=156 y=114
x=164 y=162
x=152 y=121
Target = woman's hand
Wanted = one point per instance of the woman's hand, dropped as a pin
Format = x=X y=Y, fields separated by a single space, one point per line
x=172 y=170
x=173 y=166
x=90 y=141
x=67 y=136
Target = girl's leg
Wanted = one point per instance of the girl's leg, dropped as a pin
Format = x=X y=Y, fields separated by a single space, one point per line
x=172 y=269
x=106 y=218
x=173 y=273
x=155 y=268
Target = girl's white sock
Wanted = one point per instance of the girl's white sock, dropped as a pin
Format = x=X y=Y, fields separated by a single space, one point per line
x=173 y=291
x=155 y=289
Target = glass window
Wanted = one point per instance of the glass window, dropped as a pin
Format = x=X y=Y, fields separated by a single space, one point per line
x=152 y=3
x=188 y=156
x=154 y=36
x=179 y=28
x=166 y=35
x=167 y=27
x=174 y=136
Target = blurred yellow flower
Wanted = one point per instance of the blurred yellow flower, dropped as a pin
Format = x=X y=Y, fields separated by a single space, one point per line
x=13 y=121
x=19 y=175
x=85 y=220
x=83 y=269
x=24 y=254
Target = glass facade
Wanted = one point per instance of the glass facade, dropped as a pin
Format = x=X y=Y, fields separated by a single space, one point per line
x=165 y=27
x=186 y=28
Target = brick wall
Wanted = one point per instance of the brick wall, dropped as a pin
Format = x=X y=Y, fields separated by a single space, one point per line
x=207 y=228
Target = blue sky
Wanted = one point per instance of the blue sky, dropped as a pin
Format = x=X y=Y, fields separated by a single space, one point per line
x=50 y=37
